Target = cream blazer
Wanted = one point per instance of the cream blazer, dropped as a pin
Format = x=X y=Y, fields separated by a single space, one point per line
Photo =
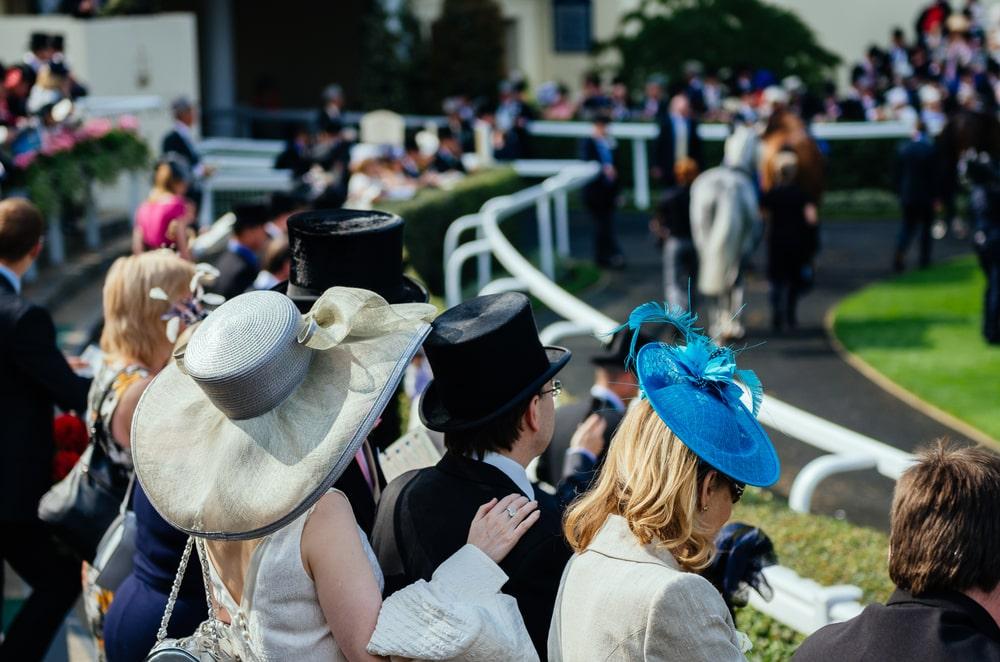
x=622 y=600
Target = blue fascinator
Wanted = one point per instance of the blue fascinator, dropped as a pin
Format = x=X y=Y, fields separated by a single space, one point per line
x=694 y=388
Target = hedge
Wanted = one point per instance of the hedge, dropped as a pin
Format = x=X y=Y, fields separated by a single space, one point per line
x=431 y=211
x=820 y=548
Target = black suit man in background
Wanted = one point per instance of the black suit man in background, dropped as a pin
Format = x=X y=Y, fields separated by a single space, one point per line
x=918 y=171
x=495 y=422
x=601 y=194
x=239 y=265
x=678 y=139
x=180 y=141
x=34 y=377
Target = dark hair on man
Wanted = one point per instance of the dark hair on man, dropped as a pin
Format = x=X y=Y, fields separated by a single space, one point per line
x=21 y=227
x=496 y=435
x=945 y=532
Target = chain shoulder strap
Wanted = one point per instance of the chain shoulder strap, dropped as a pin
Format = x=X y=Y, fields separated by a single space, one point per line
x=161 y=634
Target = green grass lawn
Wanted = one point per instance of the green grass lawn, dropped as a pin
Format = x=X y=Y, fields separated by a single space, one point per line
x=922 y=331
x=820 y=548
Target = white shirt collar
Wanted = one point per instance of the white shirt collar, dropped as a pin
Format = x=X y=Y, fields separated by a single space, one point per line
x=604 y=393
x=512 y=470
x=14 y=279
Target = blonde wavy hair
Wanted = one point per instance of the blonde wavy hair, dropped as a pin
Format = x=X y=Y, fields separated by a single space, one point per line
x=651 y=479
x=133 y=324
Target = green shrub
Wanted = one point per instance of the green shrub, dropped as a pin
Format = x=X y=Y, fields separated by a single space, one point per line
x=660 y=35
x=429 y=214
x=859 y=204
x=820 y=548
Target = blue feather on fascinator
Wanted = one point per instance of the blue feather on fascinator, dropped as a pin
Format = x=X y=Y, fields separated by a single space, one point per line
x=699 y=360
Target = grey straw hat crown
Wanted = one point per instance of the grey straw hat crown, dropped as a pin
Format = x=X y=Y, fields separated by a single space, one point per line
x=249 y=354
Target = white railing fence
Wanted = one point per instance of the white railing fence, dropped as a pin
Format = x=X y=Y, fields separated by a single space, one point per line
x=637 y=133
x=800 y=603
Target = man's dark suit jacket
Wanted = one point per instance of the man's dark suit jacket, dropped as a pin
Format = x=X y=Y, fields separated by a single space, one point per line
x=552 y=466
x=354 y=486
x=600 y=191
x=424 y=517
x=663 y=147
x=174 y=142
x=236 y=275
x=918 y=172
x=936 y=627
x=34 y=377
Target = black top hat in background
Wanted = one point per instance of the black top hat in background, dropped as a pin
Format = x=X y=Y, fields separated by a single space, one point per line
x=39 y=41
x=349 y=248
x=250 y=215
x=616 y=352
x=486 y=358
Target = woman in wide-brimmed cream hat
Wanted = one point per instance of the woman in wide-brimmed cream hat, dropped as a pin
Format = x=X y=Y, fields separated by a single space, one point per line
x=239 y=442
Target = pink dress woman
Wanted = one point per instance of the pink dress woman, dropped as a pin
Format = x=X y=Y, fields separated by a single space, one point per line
x=154 y=217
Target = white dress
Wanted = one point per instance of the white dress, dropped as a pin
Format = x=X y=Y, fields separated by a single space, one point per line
x=279 y=617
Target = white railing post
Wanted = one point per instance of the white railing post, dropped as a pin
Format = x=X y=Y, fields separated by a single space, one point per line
x=134 y=194
x=561 y=202
x=484 y=264
x=54 y=239
x=207 y=214
x=546 y=256
x=453 y=269
x=809 y=477
x=640 y=173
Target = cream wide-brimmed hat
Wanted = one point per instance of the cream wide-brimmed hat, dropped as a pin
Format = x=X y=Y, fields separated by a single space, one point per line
x=264 y=407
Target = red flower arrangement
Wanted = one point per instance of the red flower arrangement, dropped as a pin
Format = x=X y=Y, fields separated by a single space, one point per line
x=71 y=439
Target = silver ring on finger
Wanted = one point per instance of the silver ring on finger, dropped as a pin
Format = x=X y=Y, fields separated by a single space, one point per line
x=511 y=511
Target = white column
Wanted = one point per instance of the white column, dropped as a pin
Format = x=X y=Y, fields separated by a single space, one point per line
x=640 y=173
x=220 y=63
x=545 y=254
x=561 y=203
x=54 y=240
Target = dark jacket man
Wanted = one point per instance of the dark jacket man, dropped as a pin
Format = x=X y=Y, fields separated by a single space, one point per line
x=239 y=265
x=34 y=377
x=433 y=509
x=492 y=431
x=665 y=146
x=942 y=626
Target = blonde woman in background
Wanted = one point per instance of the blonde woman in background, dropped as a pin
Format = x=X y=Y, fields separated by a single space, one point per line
x=164 y=218
x=676 y=465
x=137 y=343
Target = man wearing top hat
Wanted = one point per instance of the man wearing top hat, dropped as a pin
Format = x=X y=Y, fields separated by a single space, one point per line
x=240 y=263
x=493 y=398
x=613 y=389
x=363 y=249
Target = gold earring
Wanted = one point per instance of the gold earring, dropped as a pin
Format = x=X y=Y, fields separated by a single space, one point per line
x=704 y=509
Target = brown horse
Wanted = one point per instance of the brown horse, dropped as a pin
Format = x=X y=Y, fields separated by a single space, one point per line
x=786 y=130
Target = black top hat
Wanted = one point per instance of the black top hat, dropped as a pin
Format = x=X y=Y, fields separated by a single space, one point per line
x=349 y=248
x=38 y=41
x=616 y=352
x=250 y=215
x=486 y=358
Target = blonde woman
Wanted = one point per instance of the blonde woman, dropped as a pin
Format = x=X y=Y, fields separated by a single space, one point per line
x=678 y=462
x=137 y=344
x=163 y=219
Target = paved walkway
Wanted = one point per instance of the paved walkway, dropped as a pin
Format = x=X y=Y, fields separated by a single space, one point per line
x=801 y=368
